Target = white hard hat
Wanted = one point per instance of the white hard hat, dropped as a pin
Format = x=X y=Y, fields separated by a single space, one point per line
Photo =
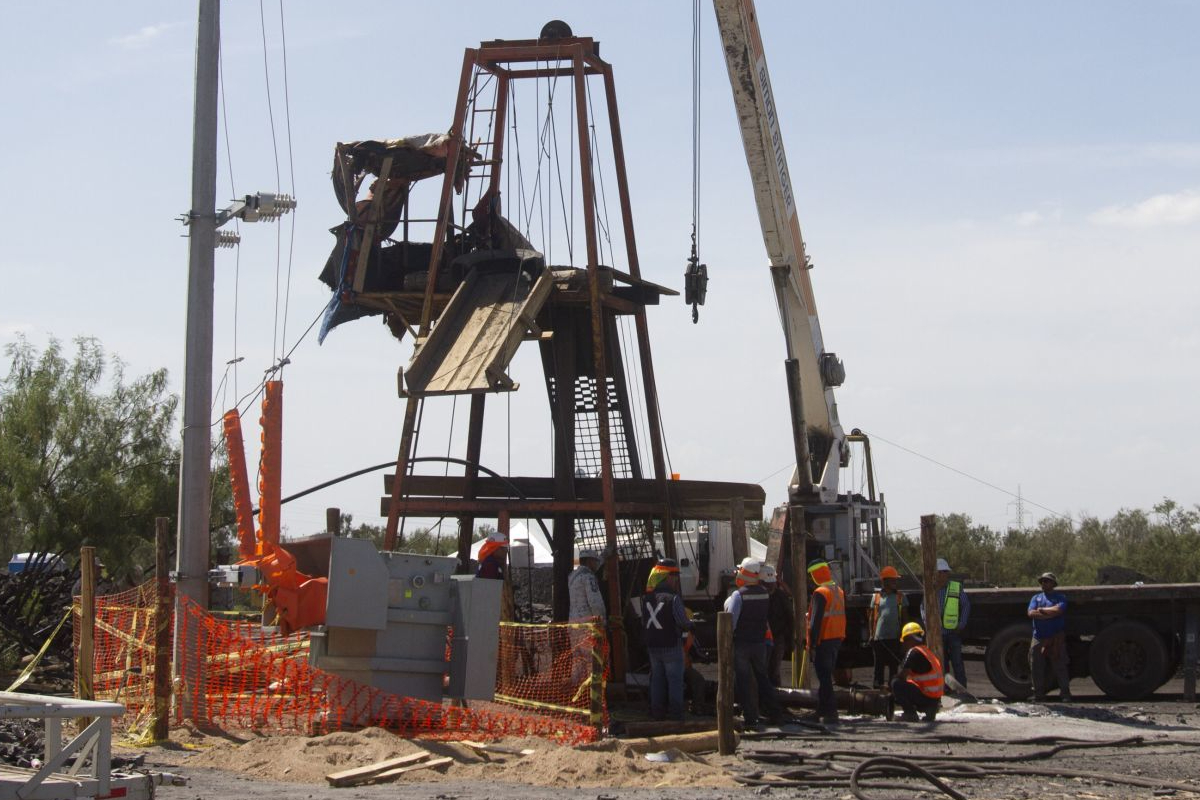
x=497 y=536
x=768 y=574
x=589 y=554
x=942 y=566
x=750 y=564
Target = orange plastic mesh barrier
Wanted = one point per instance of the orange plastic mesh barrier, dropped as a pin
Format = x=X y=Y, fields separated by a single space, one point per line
x=256 y=680
x=550 y=680
x=123 y=649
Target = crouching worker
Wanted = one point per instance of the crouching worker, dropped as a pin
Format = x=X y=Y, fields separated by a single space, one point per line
x=918 y=684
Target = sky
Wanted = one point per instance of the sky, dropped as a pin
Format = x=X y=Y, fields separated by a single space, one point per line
x=1001 y=201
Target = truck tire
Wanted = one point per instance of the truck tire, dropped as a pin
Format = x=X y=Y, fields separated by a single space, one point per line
x=1007 y=661
x=1128 y=660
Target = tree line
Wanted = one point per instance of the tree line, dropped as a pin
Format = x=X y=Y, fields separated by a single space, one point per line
x=1160 y=546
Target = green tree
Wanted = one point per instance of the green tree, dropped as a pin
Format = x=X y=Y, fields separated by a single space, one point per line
x=426 y=541
x=86 y=454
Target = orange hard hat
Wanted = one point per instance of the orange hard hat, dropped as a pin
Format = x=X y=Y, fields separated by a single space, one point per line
x=889 y=572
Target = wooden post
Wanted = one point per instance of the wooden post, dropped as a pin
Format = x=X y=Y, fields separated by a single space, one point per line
x=333 y=521
x=162 y=631
x=466 y=523
x=86 y=664
x=933 y=611
x=726 y=738
x=737 y=525
x=507 y=602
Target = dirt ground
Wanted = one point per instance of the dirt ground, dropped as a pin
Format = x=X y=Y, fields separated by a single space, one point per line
x=1166 y=748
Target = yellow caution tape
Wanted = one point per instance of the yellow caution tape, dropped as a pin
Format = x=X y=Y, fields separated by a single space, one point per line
x=25 y=673
x=521 y=701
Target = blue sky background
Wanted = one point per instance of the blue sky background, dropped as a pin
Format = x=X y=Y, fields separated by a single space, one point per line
x=1002 y=203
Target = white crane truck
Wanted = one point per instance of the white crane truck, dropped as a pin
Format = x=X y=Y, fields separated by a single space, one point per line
x=1129 y=639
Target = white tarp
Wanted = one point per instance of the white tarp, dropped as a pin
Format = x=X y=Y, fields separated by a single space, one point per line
x=522 y=544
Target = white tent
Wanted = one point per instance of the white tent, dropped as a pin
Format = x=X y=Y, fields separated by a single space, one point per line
x=523 y=544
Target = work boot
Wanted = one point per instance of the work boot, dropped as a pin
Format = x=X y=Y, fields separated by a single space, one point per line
x=931 y=715
x=909 y=716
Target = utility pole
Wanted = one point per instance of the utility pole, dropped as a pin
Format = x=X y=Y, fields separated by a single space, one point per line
x=194 y=471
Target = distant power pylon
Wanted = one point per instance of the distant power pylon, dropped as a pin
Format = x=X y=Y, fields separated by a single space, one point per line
x=1020 y=513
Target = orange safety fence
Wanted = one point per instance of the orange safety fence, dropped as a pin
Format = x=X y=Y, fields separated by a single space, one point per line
x=550 y=680
x=123 y=650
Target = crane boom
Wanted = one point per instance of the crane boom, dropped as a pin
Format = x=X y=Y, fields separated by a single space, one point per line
x=813 y=372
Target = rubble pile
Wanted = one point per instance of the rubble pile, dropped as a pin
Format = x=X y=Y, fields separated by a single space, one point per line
x=32 y=603
x=21 y=742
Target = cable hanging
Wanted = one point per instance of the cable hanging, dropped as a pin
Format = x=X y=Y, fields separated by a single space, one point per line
x=695 y=277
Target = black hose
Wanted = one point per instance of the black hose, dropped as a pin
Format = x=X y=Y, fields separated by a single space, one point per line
x=440 y=459
x=890 y=766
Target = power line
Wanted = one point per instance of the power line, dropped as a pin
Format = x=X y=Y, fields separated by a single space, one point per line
x=968 y=475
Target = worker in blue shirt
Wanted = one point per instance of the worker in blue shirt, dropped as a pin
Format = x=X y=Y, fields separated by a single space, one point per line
x=956 y=610
x=1048 y=610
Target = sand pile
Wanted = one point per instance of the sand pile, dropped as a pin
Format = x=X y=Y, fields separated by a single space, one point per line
x=308 y=760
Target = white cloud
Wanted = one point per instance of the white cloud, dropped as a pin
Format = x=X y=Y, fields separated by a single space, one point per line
x=1161 y=209
x=143 y=36
x=1028 y=219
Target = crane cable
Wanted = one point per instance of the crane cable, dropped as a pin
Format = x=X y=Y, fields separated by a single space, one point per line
x=695 y=277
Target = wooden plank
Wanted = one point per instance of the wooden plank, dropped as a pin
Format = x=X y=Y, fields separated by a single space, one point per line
x=392 y=774
x=477 y=334
x=591 y=509
x=683 y=742
x=497 y=748
x=633 y=489
x=357 y=775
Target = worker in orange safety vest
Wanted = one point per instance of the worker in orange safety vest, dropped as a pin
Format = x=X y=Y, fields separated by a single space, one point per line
x=919 y=683
x=826 y=630
x=887 y=616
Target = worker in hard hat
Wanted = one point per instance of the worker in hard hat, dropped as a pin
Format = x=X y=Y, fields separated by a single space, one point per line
x=919 y=683
x=586 y=607
x=955 y=606
x=780 y=622
x=1048 y=611
x=664 y=620
x=826 y=630
x=887 y=616
x=586 y=601
x=748 y=604
x=493 y=557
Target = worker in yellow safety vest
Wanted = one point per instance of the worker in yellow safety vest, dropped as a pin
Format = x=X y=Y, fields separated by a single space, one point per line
x=919 y=683
x=956 y=610
x=887 y=616
x=826 y=630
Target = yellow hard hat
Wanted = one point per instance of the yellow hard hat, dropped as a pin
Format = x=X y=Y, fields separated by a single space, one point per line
x=912 y=629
